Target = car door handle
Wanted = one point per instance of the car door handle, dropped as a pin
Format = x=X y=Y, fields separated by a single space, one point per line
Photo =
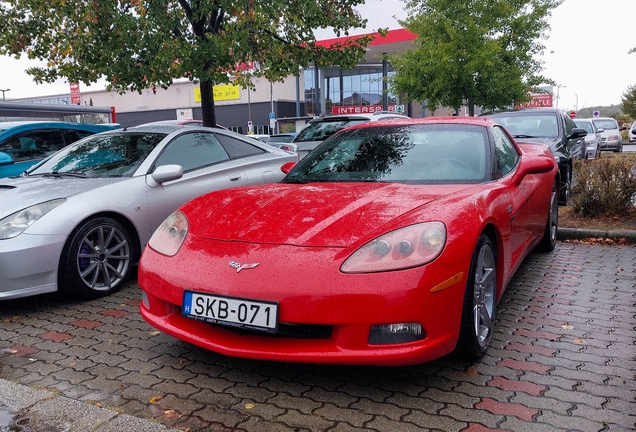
x=236 y=178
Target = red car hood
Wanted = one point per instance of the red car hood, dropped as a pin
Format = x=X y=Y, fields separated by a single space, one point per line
x=319 y=214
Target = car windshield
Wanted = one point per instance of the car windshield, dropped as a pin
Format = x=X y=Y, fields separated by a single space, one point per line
x=321 y=130
x=605 y=124
x=103 y=155
x=439 y=153
x=529 y=125
x=586 y=126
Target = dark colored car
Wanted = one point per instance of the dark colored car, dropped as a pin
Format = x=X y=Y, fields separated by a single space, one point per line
x=552 y=127
x=24 y=143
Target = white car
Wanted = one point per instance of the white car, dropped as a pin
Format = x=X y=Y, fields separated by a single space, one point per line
x=631 y=135
x=592 y=139
x=79 y=219
x=611 y=137
x=320 y=128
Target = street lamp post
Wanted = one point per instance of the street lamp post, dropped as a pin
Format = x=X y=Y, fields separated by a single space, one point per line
x=557 y=95
x=576 y=107
x=3 y=92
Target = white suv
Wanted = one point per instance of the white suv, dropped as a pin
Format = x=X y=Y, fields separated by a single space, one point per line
x=320 y=128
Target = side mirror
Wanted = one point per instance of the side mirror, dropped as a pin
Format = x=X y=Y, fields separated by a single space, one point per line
x=5 y=159
x=600 y=130
x=287 y=167
x=163 y=174
x=622 y=128
x=577 y=133
x=532 y=166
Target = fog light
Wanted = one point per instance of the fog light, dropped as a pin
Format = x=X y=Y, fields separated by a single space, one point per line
x=386 y=334
x=144 y=299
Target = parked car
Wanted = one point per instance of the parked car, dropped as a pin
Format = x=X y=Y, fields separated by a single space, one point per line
x=320 y=128
x=631 y=135
x=281 y=138
x=389 y=244
x=260 y=137
x=79 y=219
x=24 y=143
x=611 y=137
x=183 y=122
x=552 y=127
x=592 y=139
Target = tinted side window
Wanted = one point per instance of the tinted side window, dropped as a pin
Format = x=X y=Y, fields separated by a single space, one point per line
x=192 y=151
x=569 y=124
x=76 y=135
x=505 y=151
x=33 y=145
x=236 y=148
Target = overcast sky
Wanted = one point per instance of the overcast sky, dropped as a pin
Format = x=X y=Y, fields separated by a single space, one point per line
x=586 y=53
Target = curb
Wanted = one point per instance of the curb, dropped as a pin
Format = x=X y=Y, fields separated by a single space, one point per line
x=578 y=234
x=47 y=410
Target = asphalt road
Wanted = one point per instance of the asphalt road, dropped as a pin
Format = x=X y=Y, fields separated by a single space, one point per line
x=562 y=359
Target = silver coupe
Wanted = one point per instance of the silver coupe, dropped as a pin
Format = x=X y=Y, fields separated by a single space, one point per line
x=79 y=220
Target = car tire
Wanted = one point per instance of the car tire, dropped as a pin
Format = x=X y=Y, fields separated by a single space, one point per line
x=566 y=186
x=97 y=258
x=479 y=308
x=548 y=242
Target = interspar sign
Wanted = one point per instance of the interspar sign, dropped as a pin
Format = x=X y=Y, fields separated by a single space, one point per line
x=364 y=109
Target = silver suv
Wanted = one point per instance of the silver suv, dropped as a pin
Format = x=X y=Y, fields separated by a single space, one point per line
x=320 y=128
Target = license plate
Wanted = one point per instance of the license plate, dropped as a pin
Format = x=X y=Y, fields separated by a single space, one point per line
x=231 y=311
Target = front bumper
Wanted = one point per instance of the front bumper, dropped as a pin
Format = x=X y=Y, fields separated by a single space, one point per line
x=316 y=294
x=29 y=265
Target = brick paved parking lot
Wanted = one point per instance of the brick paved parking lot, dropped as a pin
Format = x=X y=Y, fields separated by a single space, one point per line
x=563 y=359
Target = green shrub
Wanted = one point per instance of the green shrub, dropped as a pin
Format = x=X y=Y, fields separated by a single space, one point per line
x=604 y=186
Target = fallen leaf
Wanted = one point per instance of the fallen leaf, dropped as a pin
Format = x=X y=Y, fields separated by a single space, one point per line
x=154 y=333
x=471 y=372
x=249 y=406
x=578 y=340
x=155 y=399
x=567 y=327
x=170 y=413
x=98 y=404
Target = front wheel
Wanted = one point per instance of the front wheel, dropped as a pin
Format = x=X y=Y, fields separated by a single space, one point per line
x=478 y=313
x=548 y=243
x=97 y=259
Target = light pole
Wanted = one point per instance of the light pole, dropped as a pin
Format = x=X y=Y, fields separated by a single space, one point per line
x=3 y=92
x=576 y=107
x=557 y=96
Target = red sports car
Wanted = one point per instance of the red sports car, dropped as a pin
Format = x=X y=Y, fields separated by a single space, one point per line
x=389 y=244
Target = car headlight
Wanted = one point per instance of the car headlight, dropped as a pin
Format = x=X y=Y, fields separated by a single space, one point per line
x=170 y=235
x=403 y=248
x=15 y=224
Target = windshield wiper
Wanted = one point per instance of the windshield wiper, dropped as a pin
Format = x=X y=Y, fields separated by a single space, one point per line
x=297 y=181
x=524 y=136
x=63 y=174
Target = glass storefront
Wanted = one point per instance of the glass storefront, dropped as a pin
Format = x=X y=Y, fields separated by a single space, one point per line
x=346 y=91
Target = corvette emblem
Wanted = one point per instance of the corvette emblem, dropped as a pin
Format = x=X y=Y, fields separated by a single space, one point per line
x=240 y=267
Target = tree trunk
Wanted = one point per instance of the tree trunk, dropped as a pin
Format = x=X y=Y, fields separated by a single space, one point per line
x=207 y=104
x=471 y=108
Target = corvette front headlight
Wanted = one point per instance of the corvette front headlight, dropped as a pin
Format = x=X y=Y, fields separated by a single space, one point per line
x=15 y=224
x=170 y=235
x=403 y=248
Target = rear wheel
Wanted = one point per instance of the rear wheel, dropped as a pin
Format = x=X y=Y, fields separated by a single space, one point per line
x=566 y=186
x=548 y=243
x=478 y=313
x=97 y=259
